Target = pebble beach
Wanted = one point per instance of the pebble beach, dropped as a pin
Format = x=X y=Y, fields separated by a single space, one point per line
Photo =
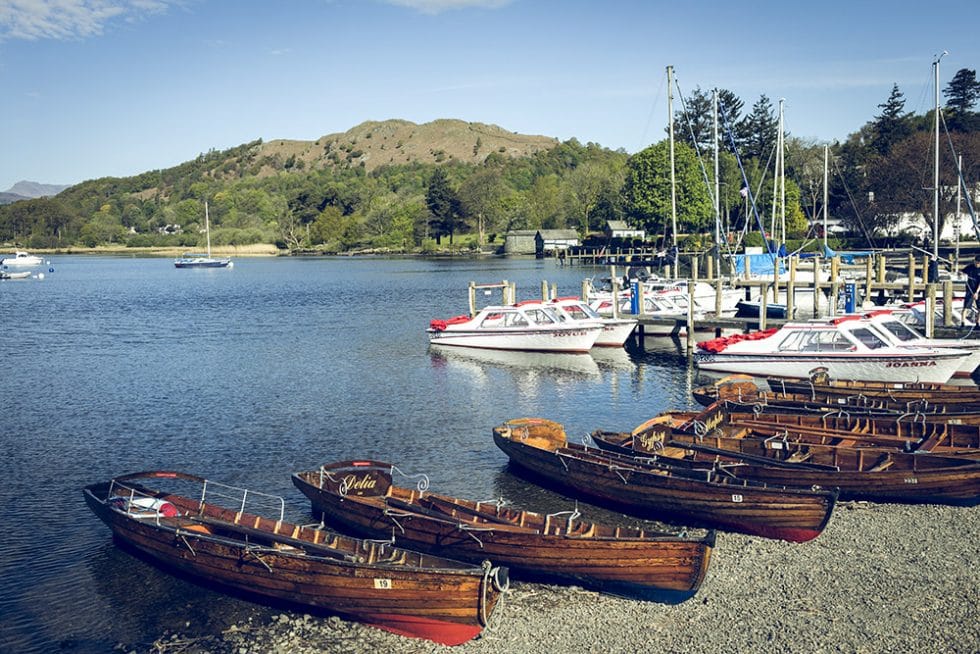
x=881 y=578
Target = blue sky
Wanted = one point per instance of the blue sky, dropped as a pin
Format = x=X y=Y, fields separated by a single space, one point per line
x=95 y=88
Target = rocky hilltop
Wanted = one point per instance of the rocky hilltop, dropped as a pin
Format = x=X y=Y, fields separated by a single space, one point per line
x=372 y=144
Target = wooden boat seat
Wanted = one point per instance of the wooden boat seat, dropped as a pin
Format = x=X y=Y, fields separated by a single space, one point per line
x=456 y=510
x=799 y=456
x=215 y=527
x=883 y=463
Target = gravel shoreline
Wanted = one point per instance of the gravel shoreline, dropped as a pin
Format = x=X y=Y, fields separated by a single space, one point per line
x=881 y=578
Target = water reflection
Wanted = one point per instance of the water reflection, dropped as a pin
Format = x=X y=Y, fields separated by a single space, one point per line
x=526 y=365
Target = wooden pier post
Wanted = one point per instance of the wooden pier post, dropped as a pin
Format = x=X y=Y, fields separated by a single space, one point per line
x=948 y=303
x=718 y=296
x=615 y=291
x=586 y=285
x=930 y=310
x=791 y=289
x=711 y=268
x=911 y=296
x=763 y=296
x=816 y=286
x=834 y=284
x=690 y=316
x=472 y=294
x=775 y=279
x=869 y=269
x=544 y=290
x=881 y=268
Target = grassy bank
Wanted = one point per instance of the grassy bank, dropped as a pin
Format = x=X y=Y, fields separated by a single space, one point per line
x=256 y=250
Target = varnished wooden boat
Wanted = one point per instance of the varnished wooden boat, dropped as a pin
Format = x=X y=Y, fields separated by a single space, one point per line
x=360 y=496
x=919 y=434
x=696 y=497
x=181 y=528
x=743 y=394
x=925 y=393
x=859 y=471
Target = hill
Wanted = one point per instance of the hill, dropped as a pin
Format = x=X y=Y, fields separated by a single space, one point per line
x=392 y=142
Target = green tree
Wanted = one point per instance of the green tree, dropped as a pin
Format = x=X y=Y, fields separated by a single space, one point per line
x=962 y=94
x=444 y=206
x=543 y=203
x=480 y=195
x=647 y=193
x=694 y=121
x=759 y=130
x=892 y=125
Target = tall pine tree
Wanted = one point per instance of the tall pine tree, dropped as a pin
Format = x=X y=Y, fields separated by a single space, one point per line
x=962 y=94
x=892 y=125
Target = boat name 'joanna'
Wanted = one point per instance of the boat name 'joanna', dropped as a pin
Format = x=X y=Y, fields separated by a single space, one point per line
x=909 y=364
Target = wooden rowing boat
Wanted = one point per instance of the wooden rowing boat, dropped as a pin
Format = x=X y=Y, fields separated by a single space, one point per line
x=924 y=393
x=360 y=497
x=696 y=497
x=780 y=456
x=183 y=529
x=919 y=434
x=743 y=394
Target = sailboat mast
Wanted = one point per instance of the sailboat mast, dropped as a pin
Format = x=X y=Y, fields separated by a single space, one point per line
x=782 y=176
x=826 y=156
x=207 y=227
x=717 y=188
x=670 y=134
x=935 y=171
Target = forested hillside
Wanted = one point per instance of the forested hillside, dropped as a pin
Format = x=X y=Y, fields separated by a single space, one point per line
x=398 y=186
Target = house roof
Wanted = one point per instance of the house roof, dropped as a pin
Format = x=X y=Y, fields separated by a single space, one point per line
x=558 y=233
x=618 y=225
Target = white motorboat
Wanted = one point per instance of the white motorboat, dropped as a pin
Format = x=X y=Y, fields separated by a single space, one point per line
x=614 y=332
x=705 y=295
x=669 y=304
x=849 y=347
x=531 y=326
x=894 y=326
x=25 y=274
x=21 y=259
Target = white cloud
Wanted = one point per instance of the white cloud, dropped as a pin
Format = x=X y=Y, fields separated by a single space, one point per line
x=438 y=6
x=69 y=19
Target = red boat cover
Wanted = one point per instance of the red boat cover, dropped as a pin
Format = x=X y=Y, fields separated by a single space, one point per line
x=440 y=325
x=719 y=344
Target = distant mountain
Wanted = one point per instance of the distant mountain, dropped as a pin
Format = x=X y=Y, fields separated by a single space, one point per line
x=25 y=190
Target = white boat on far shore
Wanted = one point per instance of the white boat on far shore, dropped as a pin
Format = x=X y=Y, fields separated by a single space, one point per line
x=21 y=259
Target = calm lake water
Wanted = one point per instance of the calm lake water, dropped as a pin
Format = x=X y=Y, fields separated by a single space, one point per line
x=114 y=365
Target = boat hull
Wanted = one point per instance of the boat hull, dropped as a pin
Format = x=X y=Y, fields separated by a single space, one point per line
x=615 y=332
x=937 y=367
x=860 y=472
x=447 y=605
x=202 y=264
x=551 y=340
x=789 y=514
x=665 y=568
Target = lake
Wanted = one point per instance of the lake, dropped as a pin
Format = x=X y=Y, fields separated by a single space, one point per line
x=245 y=375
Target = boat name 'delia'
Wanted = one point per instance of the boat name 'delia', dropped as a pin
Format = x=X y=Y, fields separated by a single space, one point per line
x=354 y=483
